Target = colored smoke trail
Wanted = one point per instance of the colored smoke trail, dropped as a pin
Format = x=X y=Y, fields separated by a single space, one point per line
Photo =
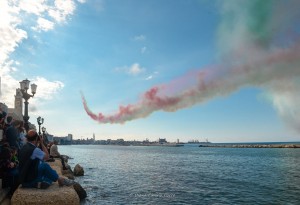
x=257 y=47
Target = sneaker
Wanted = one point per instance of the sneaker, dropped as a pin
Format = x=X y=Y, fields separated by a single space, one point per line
x=65 y=182
x=42 y=185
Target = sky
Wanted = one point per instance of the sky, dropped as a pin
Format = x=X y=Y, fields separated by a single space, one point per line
x=226 y=71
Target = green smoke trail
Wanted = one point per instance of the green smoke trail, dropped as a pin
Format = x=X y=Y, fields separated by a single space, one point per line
x=245 y=23
x=258 y=22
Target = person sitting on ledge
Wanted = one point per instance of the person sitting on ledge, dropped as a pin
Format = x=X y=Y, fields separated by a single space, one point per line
x=33 y=171
x=55 y=154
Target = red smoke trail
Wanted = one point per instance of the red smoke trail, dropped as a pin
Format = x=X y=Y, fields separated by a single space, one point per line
x=210 y=83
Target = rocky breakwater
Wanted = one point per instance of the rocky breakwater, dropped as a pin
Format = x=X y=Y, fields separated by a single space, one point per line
x=54 y=194
x=253 y=145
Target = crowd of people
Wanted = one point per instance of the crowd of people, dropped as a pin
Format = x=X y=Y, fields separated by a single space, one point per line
x=24 y=156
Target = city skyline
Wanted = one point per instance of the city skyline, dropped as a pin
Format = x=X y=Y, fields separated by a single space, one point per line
x=225 y=71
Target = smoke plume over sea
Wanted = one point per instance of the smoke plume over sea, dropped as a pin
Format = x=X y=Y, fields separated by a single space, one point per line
x=258 y=46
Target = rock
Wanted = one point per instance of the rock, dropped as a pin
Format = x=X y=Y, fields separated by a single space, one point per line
x=78 y=170
x=67 y=171
x=68 y=167
x=80 y=191
x=65 y=157
x=68 y=174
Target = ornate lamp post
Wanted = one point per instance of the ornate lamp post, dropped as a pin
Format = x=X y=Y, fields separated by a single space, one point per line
x=40 y=121
x=44 y=136
x=43 y=130
x=24 y=87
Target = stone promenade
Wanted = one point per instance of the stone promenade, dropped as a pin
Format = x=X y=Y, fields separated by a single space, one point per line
x=53 y=195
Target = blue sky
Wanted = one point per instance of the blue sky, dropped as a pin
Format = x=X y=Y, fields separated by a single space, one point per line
x=113 y=51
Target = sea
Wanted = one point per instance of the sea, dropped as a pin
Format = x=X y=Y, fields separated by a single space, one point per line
x=186 y=175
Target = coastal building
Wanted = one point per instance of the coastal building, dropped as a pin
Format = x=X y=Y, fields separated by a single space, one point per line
x=162 y=141
x=67 y=140
x=70 y=137
x=50 y=137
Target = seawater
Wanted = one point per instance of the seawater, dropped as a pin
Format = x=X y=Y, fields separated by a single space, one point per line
x=186 y=175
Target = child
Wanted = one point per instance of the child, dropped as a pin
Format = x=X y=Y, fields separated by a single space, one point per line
x=8 y=168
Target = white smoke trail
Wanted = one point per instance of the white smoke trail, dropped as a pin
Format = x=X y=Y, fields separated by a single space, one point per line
x=254 y=51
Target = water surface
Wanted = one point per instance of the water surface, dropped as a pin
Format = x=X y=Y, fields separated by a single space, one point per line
x=187 y=175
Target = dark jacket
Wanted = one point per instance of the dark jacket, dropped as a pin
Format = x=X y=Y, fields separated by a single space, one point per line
x=12 y=136
x=28 y=168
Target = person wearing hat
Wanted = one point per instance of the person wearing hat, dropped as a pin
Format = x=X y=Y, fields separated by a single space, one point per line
x=34 y=172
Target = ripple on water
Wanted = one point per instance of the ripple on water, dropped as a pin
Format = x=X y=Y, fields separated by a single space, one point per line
x=187 y=175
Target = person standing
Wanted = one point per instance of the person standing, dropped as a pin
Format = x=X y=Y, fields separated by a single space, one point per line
x=33 y=171
x=55 y=154
x=12 y=134
x=22 y=134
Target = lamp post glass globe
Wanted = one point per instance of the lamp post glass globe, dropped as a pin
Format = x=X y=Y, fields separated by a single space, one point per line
x=24 y=85
x=46 y=141
x=33 y=88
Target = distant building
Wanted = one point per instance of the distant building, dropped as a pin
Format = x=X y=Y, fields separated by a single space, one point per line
x=50 y=137
x=16 y=111
x=70 y=137
x=64 y=140
x=162 y=141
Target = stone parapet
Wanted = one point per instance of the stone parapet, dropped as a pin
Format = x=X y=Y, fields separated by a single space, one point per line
x=52 y=195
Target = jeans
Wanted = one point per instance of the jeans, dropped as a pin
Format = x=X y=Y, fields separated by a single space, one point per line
x=45 y=174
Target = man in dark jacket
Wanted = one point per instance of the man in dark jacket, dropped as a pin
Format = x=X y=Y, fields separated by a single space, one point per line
x=34 y=172
x=12 y=134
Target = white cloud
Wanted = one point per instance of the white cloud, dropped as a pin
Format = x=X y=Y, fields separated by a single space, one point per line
x=8 y=83
x=10 y=35
x=61 y=10
x=17 y=18
x=139 y=38
x=43 y=25
x=149 y=77
x=143 y=50
x=134 y=69
x=46 y=89
x=36 y=7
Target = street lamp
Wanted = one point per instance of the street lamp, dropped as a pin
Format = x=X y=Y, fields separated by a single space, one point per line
x=44 y=136
x=40 y=121
x=24 y=87
x=43 y=130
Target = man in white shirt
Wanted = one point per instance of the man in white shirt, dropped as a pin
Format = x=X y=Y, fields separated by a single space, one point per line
x=34 y=172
